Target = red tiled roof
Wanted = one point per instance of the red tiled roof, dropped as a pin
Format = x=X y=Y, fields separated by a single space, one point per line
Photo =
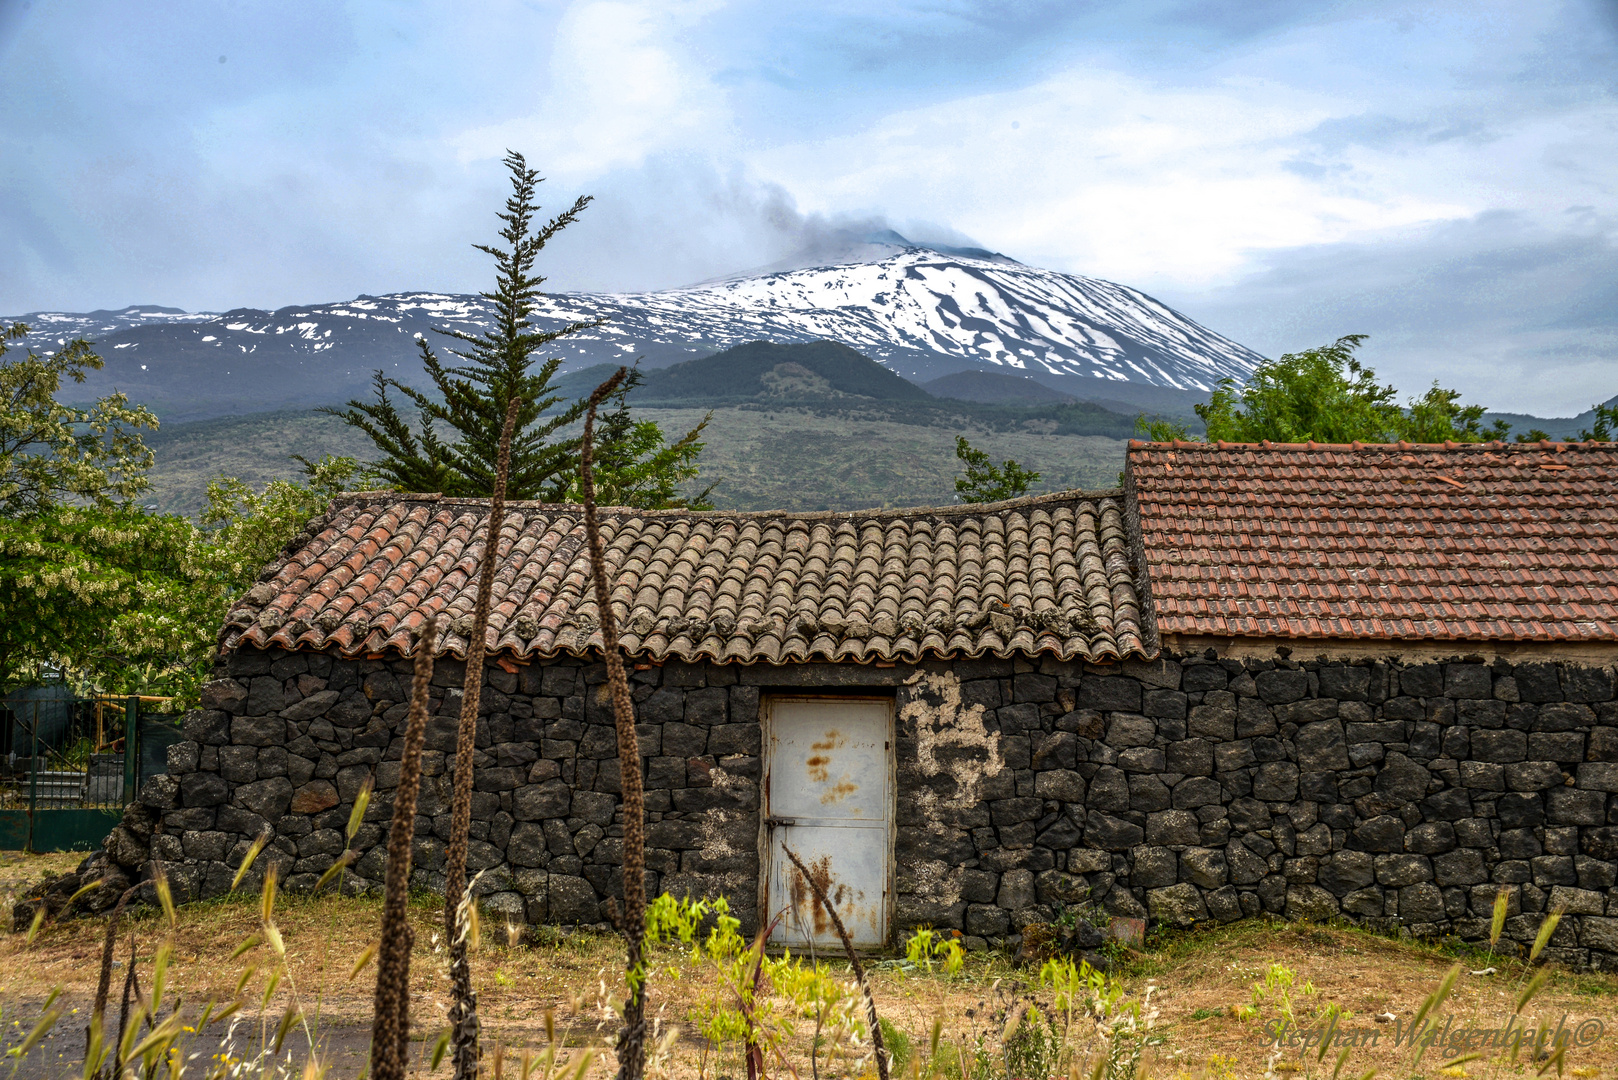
x=1040 y=575
x=1481 y=542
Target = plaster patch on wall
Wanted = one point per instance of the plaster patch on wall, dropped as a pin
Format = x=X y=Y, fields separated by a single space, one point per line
x=945 y=731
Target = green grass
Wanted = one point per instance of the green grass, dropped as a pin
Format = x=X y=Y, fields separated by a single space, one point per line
x=785 y=459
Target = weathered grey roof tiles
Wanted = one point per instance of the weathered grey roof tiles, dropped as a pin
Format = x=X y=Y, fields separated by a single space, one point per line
x=1043 y=575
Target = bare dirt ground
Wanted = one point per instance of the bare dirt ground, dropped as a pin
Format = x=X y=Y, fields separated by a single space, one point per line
x=1196 y=979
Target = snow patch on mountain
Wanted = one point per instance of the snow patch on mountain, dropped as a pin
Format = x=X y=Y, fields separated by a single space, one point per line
x=925 y=312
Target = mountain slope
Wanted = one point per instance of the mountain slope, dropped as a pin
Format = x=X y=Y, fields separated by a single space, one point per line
x=994 y=387
x=764 y=369
x=922 y=312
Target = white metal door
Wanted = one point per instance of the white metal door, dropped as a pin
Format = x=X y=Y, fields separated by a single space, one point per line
x=828 y=795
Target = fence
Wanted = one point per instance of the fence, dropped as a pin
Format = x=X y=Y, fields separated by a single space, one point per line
x=71 y=765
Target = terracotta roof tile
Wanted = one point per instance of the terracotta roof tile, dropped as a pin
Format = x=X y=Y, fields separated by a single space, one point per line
x=1481 y=542
x=1042 y=575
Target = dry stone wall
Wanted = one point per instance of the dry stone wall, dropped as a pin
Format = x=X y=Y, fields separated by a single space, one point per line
x=1181 y=790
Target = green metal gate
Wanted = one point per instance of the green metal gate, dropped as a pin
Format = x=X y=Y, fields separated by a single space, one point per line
x=73 y=765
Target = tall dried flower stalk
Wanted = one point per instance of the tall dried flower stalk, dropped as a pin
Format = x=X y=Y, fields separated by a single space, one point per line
x=390 y=1028
x=98 y=1011
x=632 y=1039
x=853 y=960
x=463 y=1007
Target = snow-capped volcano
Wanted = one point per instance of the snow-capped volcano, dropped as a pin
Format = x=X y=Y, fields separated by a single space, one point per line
x=919 y=302
x=924 y=312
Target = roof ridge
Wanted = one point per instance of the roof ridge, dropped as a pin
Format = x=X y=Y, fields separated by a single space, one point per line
x=1495 y=446
x=1074 y=495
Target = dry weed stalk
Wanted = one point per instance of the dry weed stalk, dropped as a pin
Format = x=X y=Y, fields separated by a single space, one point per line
x=98 y=1012
x=632 y=924
x=390 y=1030
x=463 y=1009
x=853 y=961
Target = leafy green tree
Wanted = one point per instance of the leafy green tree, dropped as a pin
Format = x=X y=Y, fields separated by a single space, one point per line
x=1161 y=429
x=70 y=579
x=984 y=481
x=458 y=440
x=1326 y=395
x=50 y=451
x=1323 y=394
x=91 y=584
x=1438 y=416
x=1605 y=426
x=126 y=601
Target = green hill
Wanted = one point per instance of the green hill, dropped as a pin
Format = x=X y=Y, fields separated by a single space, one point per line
x=770 y=458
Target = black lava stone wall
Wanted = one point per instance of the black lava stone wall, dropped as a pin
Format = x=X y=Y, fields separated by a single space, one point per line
x=1179 y=790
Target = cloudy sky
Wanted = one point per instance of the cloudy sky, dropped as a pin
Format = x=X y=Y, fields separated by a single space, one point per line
x=1440 y=176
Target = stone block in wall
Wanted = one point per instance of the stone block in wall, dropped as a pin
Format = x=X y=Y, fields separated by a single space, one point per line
x=1401 y=779
x=1253 y=718
x=1483 y=776
x=1280 y=686
x=1060 y=750
x=1598 y=933
x=1177 y=905
x=1563 y=717
x=1595 y=873
x=912 y=909
x=1164 y=704
x=1204 y=867
x=1148 y=794
x=1276 y=781
x=1173 y=827
x=1587 y=684
x=1537 y=682
x=1194 y=757
x=1468 y=681
x=1383 y=833
x=1215 y=718
x=1575 y=806
x=1153 y=866
x=1142 y=759
x=204 y=789
x=1321 y=746
x=1112 y=833
x=1344 y=682
x=1109 y=694
x=313 y=797
x=1196 y=791
x=1534 y=776
x=1431 y=838
x=1063 y=785
x=1421 y=903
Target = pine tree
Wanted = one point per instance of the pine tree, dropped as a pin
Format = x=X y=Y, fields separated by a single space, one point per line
x=640 y=467
x=499 y=365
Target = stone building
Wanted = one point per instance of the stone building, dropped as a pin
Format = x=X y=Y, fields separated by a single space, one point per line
x=1366 y=682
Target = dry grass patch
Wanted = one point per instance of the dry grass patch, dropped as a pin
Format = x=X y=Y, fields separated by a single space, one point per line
x=1199 y=978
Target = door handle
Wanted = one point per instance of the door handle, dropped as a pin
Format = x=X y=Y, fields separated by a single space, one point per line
x=772 y=822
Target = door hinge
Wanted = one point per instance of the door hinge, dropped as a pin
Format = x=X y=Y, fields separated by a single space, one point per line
x=772 y=822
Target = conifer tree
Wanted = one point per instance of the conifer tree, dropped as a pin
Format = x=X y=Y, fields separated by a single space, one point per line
x=497 y=366
x=454 y=450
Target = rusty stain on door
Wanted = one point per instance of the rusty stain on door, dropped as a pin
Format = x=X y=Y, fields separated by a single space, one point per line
x=828 y=793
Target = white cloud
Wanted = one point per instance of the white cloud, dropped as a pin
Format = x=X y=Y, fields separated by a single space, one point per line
x=1113 y=175
x=620 y=91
